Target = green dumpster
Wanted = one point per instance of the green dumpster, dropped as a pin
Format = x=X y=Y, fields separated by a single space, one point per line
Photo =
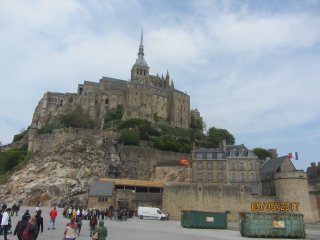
x=197 y=219
x=260 y=224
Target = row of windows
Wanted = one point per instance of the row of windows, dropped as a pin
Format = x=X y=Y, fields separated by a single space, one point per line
x=242 y=176
x=233 y=176
x=102 y=199
x=210 y=177
x=241 y=166
x=220 y=166
x=209 y=165
x=209 y=155
x=141 y=71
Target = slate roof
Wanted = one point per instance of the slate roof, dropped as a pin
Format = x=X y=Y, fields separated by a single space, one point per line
x=272 y=165
x=101 y=189
x=141 y=62
x=212 y=150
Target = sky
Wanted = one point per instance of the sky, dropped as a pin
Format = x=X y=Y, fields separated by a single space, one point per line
x=251 y=67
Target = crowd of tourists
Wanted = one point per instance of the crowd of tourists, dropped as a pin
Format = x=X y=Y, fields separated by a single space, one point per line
x=88 y=214
x=31 y=225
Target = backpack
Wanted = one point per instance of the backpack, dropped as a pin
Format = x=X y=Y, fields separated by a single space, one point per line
x=25 y=234
x=92 y=222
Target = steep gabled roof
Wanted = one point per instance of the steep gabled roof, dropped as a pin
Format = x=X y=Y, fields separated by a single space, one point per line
x=101 y=189
x=272 y=165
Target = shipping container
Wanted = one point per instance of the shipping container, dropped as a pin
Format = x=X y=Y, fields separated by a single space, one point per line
x=284 y=225
x=197 y=219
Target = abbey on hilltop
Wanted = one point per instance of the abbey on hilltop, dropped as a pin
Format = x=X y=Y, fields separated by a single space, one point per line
x=143 y=96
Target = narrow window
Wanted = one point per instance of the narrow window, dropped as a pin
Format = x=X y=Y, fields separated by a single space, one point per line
x=233 y=166
x=107 y=101
x=199 y=165
x=209 y=166
x=252 y=176
x=220 y=176
x=251 y=166
x=242 y=176
x=137 y=71
x=61 y=102
x=233 y=176
x=241 y=166
x=209 y=176
x=220 y=166
x=199 y=176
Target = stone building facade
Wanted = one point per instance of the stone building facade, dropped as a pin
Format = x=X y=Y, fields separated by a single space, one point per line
x=143 y=96
x=230 y=164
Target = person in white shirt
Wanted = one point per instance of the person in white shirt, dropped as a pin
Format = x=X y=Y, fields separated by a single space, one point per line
x=5 y=222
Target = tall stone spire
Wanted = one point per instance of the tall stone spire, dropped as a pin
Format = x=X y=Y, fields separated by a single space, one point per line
x=141 y=44
x=140 y=70
x=140 y=60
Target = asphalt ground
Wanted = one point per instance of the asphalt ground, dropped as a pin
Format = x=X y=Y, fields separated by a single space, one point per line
x=137 y=229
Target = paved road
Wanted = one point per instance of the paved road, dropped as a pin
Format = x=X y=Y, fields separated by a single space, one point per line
x=136 y=229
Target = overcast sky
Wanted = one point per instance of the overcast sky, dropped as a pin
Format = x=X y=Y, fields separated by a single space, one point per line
x=251 y=67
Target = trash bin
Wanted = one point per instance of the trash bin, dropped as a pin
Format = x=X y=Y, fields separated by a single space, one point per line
x=198 y=219
x=284 y=225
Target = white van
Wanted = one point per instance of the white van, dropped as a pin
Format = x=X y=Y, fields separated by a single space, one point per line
x=150 y=213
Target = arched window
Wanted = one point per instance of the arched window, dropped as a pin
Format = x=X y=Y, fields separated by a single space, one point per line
x=144 y=72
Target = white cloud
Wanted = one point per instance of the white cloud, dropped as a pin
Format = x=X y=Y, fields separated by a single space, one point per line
x=246 y=67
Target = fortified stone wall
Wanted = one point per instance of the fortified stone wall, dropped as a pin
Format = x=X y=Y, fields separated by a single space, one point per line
x=211 y=198
x=291 y=188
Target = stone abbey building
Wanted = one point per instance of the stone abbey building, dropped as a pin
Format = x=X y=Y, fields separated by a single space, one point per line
x=143 y=96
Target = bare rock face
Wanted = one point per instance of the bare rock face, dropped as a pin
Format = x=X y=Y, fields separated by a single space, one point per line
x=62 y=173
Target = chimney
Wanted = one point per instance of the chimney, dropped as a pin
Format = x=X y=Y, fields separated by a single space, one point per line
x=223 y=145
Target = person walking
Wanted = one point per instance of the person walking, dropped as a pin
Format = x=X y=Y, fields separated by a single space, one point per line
x=32 y=228
x=21 y=225
x=79 y=222
x=102 y=231
x=53 y=214
x=71 y=230
x=5 y=222
x=39 y=220
x=92 y=225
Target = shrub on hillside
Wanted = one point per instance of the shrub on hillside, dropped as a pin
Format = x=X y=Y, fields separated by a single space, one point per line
x=54 y=124
x=77 y=118
x=19 y=136
x=128 y=137
x=12 y=158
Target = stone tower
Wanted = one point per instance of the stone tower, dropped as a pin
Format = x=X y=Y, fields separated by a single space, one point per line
x=140 y=70
x=32 y=135
x=292 y=188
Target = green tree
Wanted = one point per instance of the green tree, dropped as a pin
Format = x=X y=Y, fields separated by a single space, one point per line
x=128 y=137
x=262 y=153
x=11 y=158
x=77 y=118
x=215 y=136
x=193 y=122
x=19 y=136
x=115 y=114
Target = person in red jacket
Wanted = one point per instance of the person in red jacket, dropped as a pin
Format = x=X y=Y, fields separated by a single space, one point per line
x=53 y=214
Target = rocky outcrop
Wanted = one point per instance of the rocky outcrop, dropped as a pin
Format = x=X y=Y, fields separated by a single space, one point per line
x=67 y=171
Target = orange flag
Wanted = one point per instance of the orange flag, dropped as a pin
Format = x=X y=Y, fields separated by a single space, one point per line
x=185 y=161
